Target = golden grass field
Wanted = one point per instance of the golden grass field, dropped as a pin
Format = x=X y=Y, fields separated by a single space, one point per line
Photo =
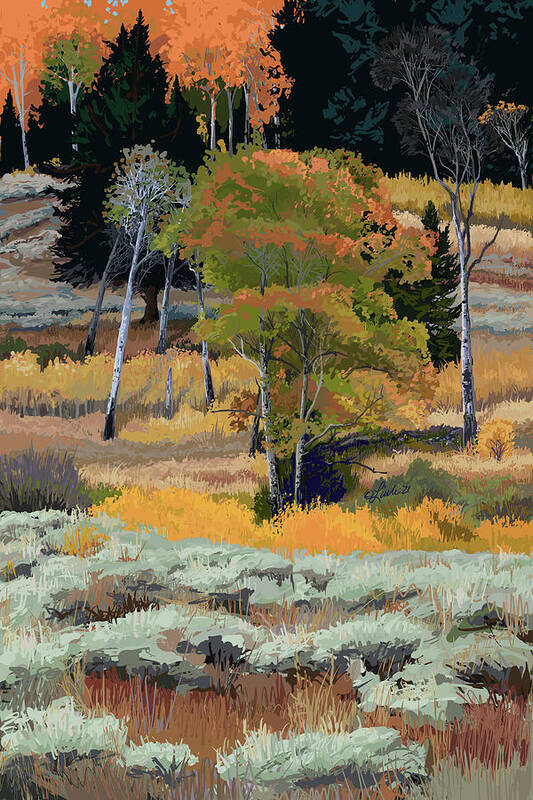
x=412 y=194
x=173 y=481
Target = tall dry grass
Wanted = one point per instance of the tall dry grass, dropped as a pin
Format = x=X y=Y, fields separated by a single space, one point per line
x=413 y=194
x=73 y=389
x=432 y=525
x=204 y=720
x=499 y=376
x=467 y=465
x=233 y=474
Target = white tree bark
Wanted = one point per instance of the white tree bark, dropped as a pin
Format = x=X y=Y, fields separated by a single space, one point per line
x=163 y=318
x=246 y=116
x=266 y=411
x=168 y=397
x=93 y=327
x=18 y=87
x=73 y=92
x=467 y=363
x=109 y=426
x=300 y=445
x=212 y=136
x=229 y=95
x=208 y=380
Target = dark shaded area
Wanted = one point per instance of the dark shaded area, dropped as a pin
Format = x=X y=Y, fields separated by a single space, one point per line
x=432 y=300
x=11 y=155
x=34 y=480
x=327 y=47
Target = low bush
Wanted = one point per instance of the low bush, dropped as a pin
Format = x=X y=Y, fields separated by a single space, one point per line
x=496 y=439
x=46 y=353
x=100 y=492
x=488 y=498
x=34 y=480
x=420 y=481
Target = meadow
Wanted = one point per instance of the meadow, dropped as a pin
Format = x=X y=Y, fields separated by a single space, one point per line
x=161 y=639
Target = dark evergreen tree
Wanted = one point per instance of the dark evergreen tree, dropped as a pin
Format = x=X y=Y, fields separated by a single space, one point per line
x=50 y=126
x=432 y=300
x=182 y=142
x=11 y=156
x=126 y=106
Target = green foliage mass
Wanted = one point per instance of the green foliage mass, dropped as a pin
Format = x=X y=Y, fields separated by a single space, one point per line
x=432 y=301
x=46 y=352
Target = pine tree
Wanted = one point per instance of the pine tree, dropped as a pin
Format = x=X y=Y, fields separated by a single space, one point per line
x=11 y=156
x=183 y=144
x=126 y=106
x=432 y=301
x=49 y=126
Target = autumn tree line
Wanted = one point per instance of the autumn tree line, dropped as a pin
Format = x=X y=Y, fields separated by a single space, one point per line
x=189 y=161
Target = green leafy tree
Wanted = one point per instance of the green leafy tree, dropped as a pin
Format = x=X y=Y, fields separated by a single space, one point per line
x=71 y=62
x=432 y=301
x=286 y=233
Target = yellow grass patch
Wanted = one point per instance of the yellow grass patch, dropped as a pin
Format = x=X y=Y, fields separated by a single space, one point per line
x=82 y=542
x=502 y=533
x=187 y=422
x=413 y=194
x=142 y=386
x=432 y=525
x=499 y=376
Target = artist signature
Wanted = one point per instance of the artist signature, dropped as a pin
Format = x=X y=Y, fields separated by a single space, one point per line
x=381 y=491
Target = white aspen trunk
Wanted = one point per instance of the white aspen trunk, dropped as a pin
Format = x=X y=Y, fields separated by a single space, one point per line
x=212 y=137
x=93 y=327
x=208 y=380
x=163 y=318
x=18 y=88
x=254 y=443
x=523 y=172
x=71 y=97
x=168 y=396
x=229 y=95
x=467 y=364
x=277 y=132
x=73 y=94
x=272 y=466
x=246 y=116
x=300 y=445
x=109 y=426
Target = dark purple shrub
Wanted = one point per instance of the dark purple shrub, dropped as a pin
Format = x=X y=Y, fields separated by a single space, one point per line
x=31 y=481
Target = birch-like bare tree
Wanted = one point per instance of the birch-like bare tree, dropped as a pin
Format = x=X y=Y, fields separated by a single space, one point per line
x=439 y=118
x=115 y=264
x=146 y=187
